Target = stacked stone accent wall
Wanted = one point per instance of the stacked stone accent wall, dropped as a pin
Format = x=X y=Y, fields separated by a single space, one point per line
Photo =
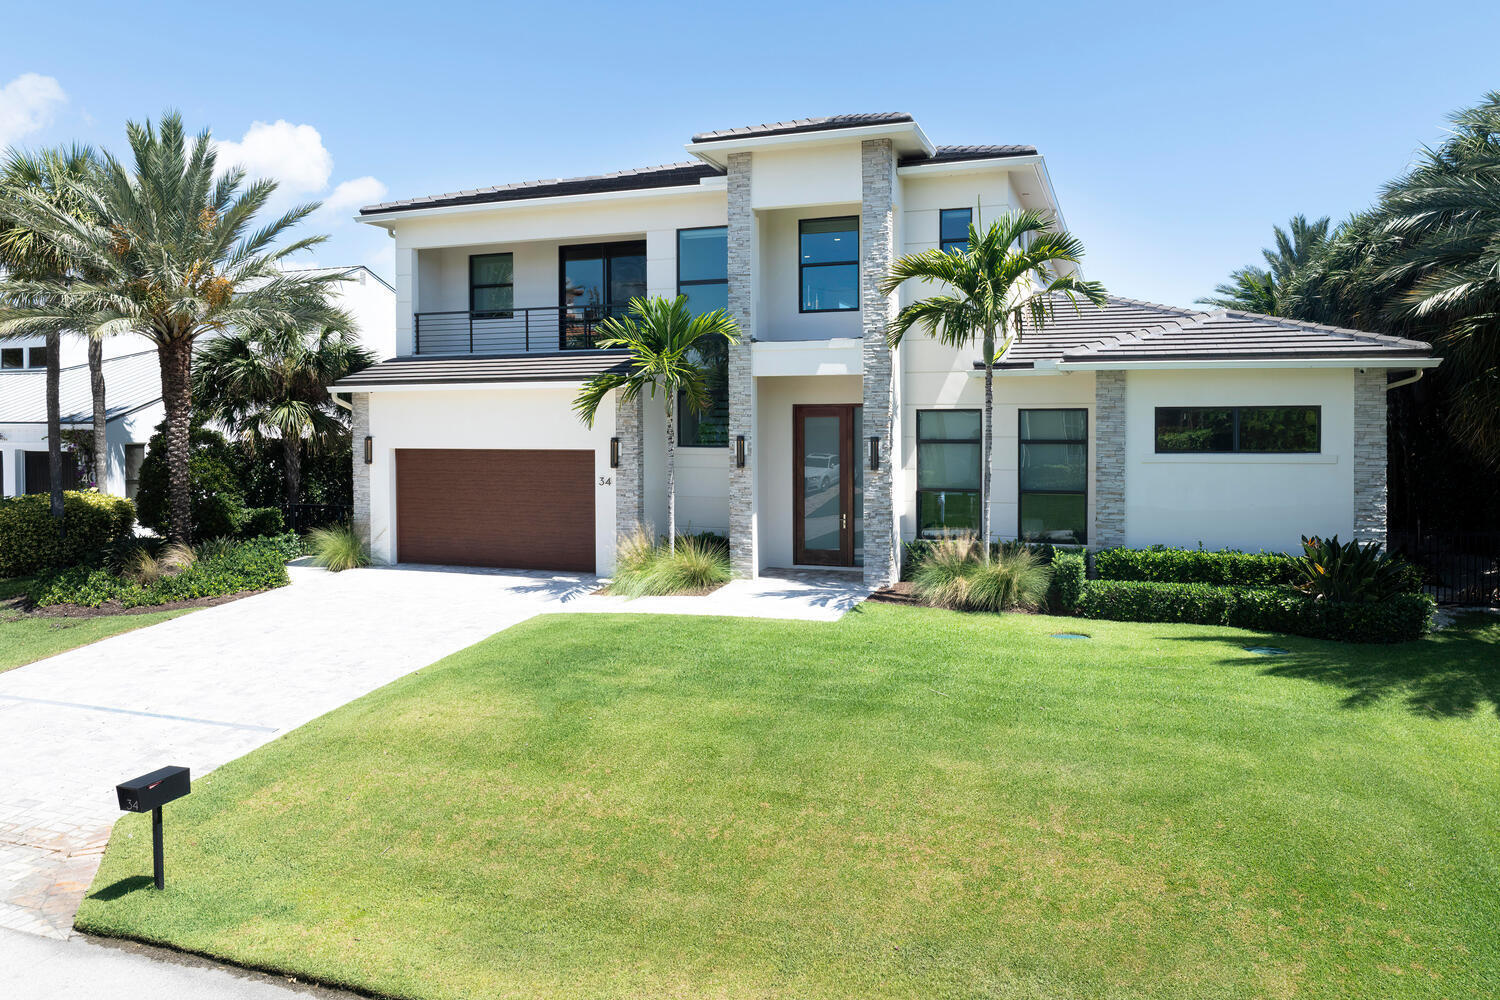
x=743 y=555
x=1109 y=463
x=1370 y=456
x=359 y=429
x=630 y=477
x=877 y=251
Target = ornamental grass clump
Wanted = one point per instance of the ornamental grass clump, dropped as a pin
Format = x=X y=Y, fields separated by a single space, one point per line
x=337 y=549
x=645 y=567
x=954 y=575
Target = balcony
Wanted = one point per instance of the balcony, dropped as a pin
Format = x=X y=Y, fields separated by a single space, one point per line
x=514 y=331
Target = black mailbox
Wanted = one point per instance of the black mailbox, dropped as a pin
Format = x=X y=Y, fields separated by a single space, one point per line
x=151 y=791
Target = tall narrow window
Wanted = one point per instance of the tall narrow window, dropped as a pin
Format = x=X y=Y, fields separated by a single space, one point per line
x=948 y=470
x=828 y=272
x=1054 y=474
x=953 y=229
x=492 y=288
x=703 y=276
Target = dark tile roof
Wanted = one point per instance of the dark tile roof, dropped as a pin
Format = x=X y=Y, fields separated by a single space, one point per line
x=1131 y=330
x=131 y=381
x=954 y=154
x=641 y=178
x=824 y=124
x=555 y=366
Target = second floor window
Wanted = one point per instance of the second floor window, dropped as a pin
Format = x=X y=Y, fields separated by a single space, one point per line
x=953 y=229
x=23 y=357
x=828 y=272
x=492 y=284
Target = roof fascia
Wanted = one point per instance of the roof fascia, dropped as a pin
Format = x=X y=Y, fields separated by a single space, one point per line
x=1243 y=363
x=706 y=184
x=717 y=151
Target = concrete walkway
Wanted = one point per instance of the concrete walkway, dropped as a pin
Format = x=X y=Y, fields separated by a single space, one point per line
x=210 y=686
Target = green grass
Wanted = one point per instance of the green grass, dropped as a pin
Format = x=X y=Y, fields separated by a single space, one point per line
x=25 y=639
x=909 y=803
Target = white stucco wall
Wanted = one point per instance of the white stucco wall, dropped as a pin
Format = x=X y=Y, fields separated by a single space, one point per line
x=1240 y=501
x=780 y=317
x=534 y=418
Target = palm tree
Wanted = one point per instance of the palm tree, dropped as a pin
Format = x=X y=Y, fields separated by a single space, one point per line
x=1007 y=277
x=28 y=254
x=169 y=252
x=270 y=385
x=1261 y=290
x=666 y=342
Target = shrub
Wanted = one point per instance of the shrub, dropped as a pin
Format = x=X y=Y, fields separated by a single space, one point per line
x=338 y=549
x=261 y=521
x=30 y=541
x=1068 y=572
x=1398 y=618
x=218 y=503
x=228 y=568
x=1160 y=564
x=645 y=568
x=917 y=550
x=1348 y=572
x=953 y=575
x=147 y=566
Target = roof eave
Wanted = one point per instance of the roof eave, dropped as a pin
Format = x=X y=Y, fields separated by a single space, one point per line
x=1282 y=362
x=717 y=151
x=593 y=197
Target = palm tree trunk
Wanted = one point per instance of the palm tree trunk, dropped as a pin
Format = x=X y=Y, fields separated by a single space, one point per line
x=54 y=430
x=101 y=423
x=291 y=446
x=989 y=439
x=671 y=473
x=176 y=358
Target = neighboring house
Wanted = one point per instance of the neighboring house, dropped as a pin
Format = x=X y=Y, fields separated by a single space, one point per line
x=1129 y=425
x=132 y=393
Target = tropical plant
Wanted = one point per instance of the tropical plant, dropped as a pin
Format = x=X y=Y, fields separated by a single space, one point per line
x=28 y=254
x=1259 y=290
x=1007 y=277
x=337 y=549
x=666 y=344
x=955 y=574
x=644 y=567
x=271 y=386
x=218 y=503
x=167 y=247
x=1348 y=572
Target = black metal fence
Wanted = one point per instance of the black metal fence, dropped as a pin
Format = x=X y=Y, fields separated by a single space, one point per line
x=306 y=516
x=1462 y=568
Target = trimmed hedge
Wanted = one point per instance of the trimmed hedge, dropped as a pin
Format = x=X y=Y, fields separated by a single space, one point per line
x=1269 y=609
x=1225 y=567
x=29 y=540
x=1068 y=572
x=260 y=522
x=256 y=564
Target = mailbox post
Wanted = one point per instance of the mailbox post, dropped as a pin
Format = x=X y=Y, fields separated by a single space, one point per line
x=151 y=792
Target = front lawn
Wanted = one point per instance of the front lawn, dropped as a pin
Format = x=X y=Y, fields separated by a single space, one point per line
x=26 y=638
x=908 y=803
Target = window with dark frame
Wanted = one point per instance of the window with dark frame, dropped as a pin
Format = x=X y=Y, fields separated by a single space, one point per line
x=1263 y=430
x=703 y=276
x=828 y=264
x=12 y=357
x=948 y=471
x=1053 y=474
x=492 y=284
x=953 y=229
x=36 y=357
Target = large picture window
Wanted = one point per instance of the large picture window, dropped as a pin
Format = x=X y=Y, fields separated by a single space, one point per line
x=953 y=229
x=948 y=470
x=1239 y=429
x=492 y=284
x=828 y=269
x=703 y=276
x=1054 y=475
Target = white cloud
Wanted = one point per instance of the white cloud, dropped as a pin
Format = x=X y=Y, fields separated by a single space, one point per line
x=26 y=105
x=353 y=194
x=291 y=155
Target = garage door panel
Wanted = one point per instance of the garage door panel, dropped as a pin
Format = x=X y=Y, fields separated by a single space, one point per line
x=521 y=509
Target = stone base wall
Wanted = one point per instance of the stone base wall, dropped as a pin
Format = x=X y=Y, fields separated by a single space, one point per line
x=630 y=477
x=1370 y=460
x=359 y=429
x=1109 y=463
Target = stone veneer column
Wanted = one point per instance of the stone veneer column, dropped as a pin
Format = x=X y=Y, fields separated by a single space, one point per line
x=630 y=477
x=359 y=428
x=744 y=555
x=1370 y=456
x=1109 y=460
x=877 y=251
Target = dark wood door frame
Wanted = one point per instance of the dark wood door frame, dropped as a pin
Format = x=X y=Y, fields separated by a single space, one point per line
x=847 y=456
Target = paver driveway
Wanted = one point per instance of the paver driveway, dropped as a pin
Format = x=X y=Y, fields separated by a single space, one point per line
x=205 y=688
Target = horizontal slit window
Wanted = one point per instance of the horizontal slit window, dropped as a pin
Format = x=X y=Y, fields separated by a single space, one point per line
x=1239 y=430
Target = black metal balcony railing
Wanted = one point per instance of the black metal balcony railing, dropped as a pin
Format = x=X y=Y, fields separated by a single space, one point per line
x=516 y=331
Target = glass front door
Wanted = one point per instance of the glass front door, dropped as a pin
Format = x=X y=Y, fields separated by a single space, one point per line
x=828 y=481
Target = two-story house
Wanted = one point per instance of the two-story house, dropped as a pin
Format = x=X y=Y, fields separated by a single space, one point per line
x=1134 y=424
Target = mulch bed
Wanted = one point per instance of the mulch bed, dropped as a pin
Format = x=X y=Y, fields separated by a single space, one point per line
x=112 y=608
x=900 y=592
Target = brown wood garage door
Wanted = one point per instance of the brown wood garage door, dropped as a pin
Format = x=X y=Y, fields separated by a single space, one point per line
x=516 y=509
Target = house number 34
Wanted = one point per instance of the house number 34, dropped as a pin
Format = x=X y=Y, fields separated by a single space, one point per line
x=605 y=480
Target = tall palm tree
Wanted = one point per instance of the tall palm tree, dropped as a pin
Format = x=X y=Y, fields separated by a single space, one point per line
x=270 y=386
x=666 y=342
x=28 y=254
x=1007 y=277
x=169 y=252
x=1261 y=290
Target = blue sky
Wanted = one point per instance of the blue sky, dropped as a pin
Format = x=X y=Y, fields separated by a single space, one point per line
x=1176 y=134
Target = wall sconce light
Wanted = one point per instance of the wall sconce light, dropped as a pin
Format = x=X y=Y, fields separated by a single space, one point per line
x=874 y=454
x=369 y=450
x=739 y=451
x=614 y=453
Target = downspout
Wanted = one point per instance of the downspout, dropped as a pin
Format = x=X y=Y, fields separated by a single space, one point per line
x=1406 y=381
